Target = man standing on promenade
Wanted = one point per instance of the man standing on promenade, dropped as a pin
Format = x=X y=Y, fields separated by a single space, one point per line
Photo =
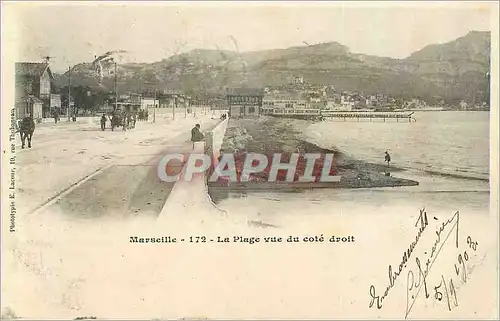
x=103 y=122
x=56 y=116
x=196 y=135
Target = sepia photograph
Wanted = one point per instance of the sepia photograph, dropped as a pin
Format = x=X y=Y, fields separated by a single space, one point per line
x=249 y=160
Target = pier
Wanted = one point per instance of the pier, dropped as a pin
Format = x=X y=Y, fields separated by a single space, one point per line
x=317 y=114
x=385 y=116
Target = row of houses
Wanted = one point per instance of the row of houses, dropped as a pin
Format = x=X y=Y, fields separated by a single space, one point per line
x=133 y=102
x=302 y=92
x=36 y=95
x=463 y=105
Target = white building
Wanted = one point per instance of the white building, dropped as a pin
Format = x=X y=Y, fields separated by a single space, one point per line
x=333 y=106
x=347 y=102
x=298 y=80
x=415 y=103
x=147 y=103
x=284 y=101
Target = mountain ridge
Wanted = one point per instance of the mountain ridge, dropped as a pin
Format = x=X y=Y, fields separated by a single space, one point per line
x=449 y=71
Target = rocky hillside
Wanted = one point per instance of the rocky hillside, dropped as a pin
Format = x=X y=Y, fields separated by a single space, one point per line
x=451 y=71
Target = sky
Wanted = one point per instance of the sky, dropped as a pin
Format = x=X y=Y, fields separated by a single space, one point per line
x=150 y=31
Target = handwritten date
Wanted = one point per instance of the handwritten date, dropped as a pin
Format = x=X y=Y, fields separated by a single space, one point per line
x=448 y=290
x=460 y=266
x=450 y=293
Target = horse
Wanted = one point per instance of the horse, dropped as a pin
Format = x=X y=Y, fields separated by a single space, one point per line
x=26 y=130
x=116 y=121
x=142 y=115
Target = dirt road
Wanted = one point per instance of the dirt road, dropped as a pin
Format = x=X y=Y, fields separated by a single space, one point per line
x=122 y=190
x=101 y=174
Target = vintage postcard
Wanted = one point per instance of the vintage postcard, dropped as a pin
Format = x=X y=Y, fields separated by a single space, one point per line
x=249 y=160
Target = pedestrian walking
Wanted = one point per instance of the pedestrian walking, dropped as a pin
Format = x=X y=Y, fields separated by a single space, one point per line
x=103 y=122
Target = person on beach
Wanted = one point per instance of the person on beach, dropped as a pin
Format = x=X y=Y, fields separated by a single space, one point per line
x=103 y=122
x=196 y=135
x=387 y=158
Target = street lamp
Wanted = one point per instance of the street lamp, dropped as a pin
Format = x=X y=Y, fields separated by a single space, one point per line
x=174 y=106
x=154 y=105
x=116 y=88
x=69 y=91
x=185 y=108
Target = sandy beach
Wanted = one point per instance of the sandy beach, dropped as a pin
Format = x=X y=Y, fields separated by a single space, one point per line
x=269 y=135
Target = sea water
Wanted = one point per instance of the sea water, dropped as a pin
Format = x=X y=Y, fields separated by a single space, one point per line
x=446 y=152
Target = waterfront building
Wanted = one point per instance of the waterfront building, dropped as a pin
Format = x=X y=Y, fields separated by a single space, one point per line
x=244 y=102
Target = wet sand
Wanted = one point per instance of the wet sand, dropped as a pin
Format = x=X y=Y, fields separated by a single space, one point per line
x=271 y=135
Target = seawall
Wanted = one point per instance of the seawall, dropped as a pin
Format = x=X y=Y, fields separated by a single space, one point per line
x=190 y=198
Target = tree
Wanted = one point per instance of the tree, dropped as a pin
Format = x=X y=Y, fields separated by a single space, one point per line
x=83 y=97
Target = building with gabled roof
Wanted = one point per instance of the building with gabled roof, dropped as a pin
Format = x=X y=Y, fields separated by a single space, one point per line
x=32 y=69
x=33 y=80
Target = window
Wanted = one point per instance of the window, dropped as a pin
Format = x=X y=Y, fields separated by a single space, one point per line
x=251 y=110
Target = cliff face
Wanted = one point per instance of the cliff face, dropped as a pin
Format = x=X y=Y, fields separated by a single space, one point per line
x=458 y=67
x=451 y=71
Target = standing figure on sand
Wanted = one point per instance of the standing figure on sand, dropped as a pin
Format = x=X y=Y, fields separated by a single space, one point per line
x=387 y=158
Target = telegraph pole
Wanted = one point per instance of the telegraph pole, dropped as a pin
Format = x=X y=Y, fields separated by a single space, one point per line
x=69 y=92
x=154 y=109
x=173 y=107
x=185 y=109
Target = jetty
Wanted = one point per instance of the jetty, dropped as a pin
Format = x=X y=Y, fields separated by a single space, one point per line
x=318 y=114
x=385 y=116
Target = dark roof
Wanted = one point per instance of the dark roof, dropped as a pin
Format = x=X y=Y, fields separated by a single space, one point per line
x=245 y=91
x=32 y=69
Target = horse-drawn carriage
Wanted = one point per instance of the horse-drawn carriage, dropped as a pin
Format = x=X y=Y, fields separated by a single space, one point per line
x=143 y=115
x=126 y=121
x=116 y=121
